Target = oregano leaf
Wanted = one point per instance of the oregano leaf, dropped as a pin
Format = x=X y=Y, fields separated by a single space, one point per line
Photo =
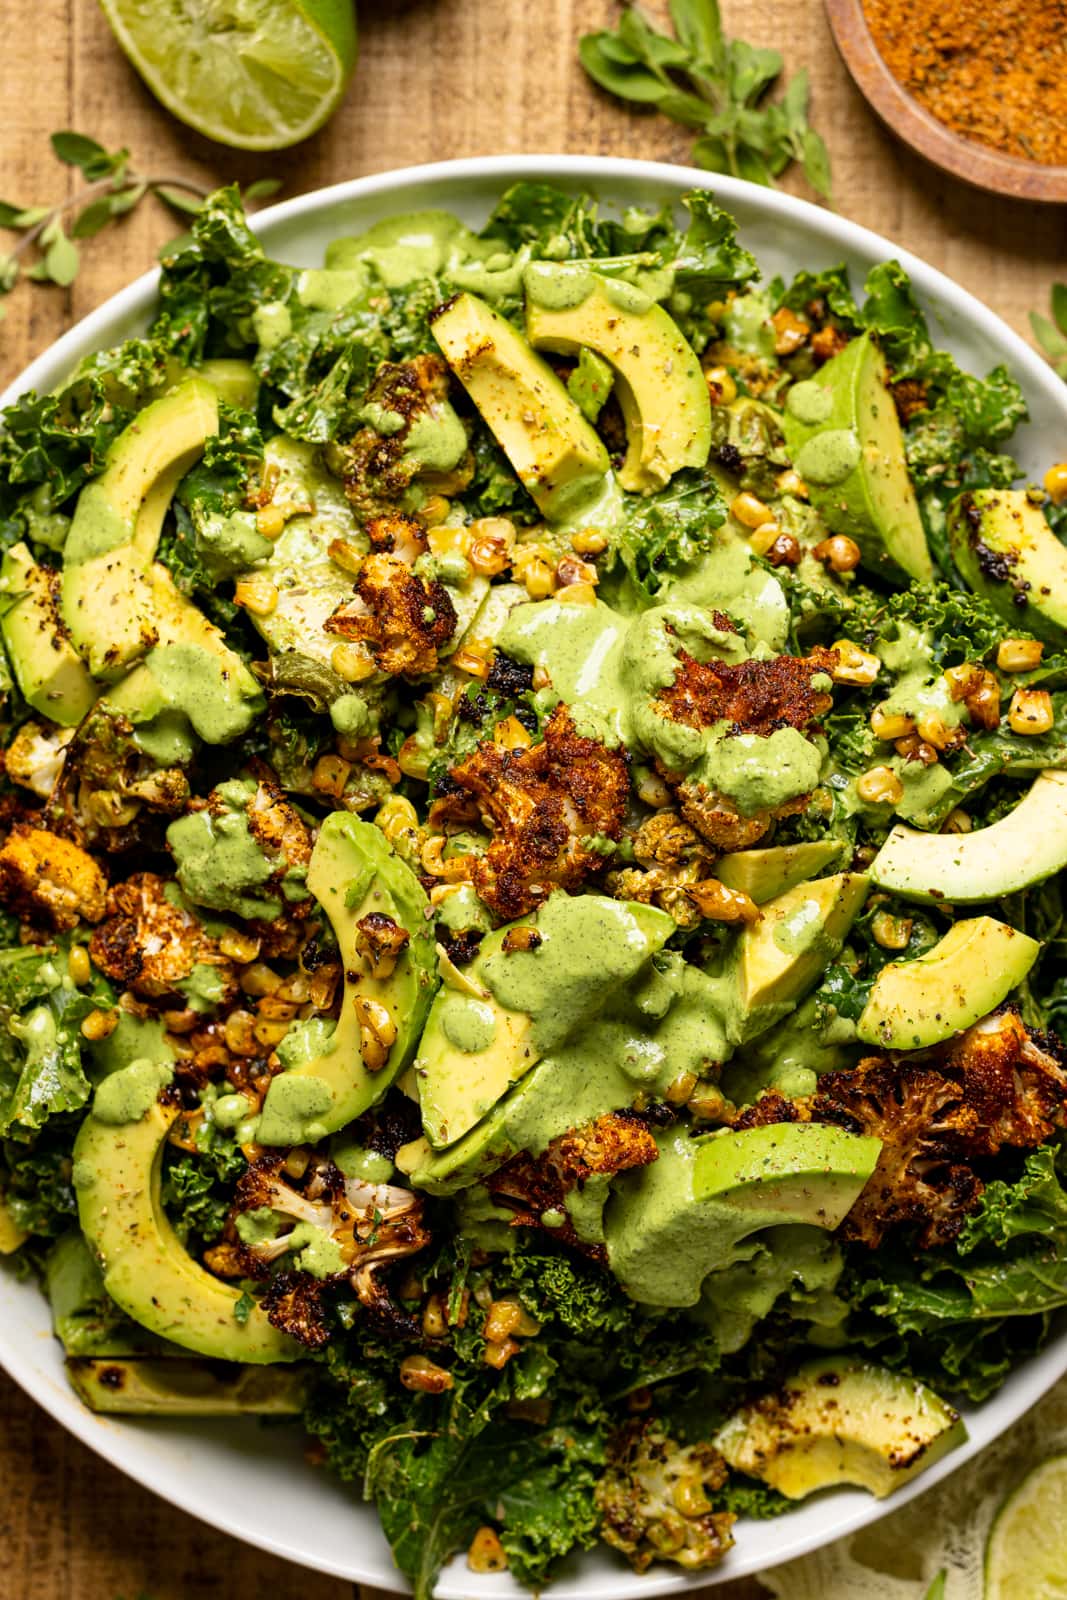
x=187 y=205
x=97 y=215
x=75 y=149
x=62 y=260
x=262 y=188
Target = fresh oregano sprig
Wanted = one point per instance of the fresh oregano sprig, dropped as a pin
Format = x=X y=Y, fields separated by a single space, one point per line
x=1052 y=335
x=717 y=85
x=46 y=252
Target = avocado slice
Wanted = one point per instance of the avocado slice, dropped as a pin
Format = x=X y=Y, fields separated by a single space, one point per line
x=1004 y=548
x=672 y=1223
x=146 y=1269
x=557 y=454
x=190 y=670
x=84 y=1320
x=764 y=874
x=354 y=874
x=11 y=1234
x=658 y=378
x=584 y=949
x=777 y=959
x=51 y=675
x=841 y=1420
x=184 y=1388
x=964 y=977
x=236 y=382
x=107 y=598
x=1026 y=846
x=842 y=431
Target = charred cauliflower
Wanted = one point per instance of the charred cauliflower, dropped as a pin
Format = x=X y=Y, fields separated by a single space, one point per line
x=551 y=809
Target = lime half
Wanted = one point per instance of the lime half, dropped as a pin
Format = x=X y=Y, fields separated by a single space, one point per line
x=258 y=74
x=1026 y=1556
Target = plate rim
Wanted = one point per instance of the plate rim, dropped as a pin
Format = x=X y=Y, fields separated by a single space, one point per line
x=1028 y=1381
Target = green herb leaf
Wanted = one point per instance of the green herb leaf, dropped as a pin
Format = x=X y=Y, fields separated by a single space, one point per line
x=716 y=86
x=76 y=150
x=262 y=189
x=97 y=215
x=62 y=260
x=9 y=214
x=1059 y=305
x=187 y=205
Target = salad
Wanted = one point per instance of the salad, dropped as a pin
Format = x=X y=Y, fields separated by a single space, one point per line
x=533 y=814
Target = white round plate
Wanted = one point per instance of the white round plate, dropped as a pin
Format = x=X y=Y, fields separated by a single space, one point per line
x=250 y=1480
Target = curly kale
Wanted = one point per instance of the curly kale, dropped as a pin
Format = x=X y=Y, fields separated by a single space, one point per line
x=198 y=1190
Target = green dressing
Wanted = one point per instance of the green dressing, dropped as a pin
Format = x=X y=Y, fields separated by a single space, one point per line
x=126 y=1095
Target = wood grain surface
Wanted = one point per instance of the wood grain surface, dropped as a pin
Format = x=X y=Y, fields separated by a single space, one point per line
x=437 y=79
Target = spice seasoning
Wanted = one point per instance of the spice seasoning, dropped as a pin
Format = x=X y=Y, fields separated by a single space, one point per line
x=995 y=72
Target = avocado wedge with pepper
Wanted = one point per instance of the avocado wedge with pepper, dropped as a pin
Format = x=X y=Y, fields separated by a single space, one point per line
x=377 y=909
x=146 y=1268
x=966 y=975
x=1003 y=546
x=51 y=675
x=659 y=382
x=841 y=1420
x=672 y=1223
x=1023 y=848
x=843 y=433
x=122 y=1387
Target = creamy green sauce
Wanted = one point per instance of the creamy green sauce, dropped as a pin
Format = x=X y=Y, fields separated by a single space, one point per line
x=230 y=544
x=590 y=384
x=230 y=1110
x=747 y=325
x=167 y=738
x=352 y=716
x=468 y=1024
x=462 y=909
x=218 y=861
x=828 y=457
x=730 y=579
x=319 y=1254
x=356 y=1161
x=587 y=945
x=132 y=1039
x=791 y=1257
x=292 y=1111
x=126 y=1095
x=400 y=250
x=191 y=681
x=436 y=441
x=271 y=323
x=810 y=402
x=560 y=286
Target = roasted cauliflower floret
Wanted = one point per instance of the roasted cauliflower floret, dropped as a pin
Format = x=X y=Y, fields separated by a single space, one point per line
x=403 y=619
x=654 y=1502
x=750 y=697
x=550 y=807
x=244 y=850
x=533 y=1185
x=334 y=1229
x=150 y=944
x=378 y=467
x=937 y=1113
x=34 y=758
x=49 y=880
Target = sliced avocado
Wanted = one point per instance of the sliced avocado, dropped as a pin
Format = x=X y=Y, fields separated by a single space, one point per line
x=635 y=1049
x=842 y=431
x=764 y=874
x=107 y=596
x=51 y=675
x=1003 y=546
x=236 y=382
x=355 y=874
x=1026 y=846
x=777 y=959
x=557 y=454
x=526 y=1001
x=183 y=1388
x=146 y=1269
x=966 y=975
x=672 y=1223
x=841 y=1420
x=190 y=670
x=84 y=1319
x=658 y=379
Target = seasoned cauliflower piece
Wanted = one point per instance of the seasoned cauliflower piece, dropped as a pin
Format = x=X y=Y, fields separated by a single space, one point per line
x=150 y=944
x=551 y=809
x=34 y=758
x=403 y=619
x=411 y=399
x=245 y=850
x=49 y=880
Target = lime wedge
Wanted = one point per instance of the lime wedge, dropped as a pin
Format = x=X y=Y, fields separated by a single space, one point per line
x=1026 y=1555
x=257 y=74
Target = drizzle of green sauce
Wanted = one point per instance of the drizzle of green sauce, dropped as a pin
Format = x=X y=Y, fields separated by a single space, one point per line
x=126 y=1095
x=810 y=402
x=469 y=1024
x=828 y=457
x=292 y=1110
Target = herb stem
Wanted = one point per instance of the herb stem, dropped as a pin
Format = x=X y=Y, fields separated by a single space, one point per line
x=109 y=185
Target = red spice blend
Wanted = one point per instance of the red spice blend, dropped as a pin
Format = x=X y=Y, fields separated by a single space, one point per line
x=991 y=70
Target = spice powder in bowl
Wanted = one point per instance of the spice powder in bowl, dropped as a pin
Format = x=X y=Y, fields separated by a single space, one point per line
x=993 y=71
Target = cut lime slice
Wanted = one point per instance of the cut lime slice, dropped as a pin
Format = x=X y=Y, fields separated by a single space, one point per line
x=258 y=74
x=1026 y=1555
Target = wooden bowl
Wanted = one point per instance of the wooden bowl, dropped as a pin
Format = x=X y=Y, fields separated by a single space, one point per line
x=964 y=158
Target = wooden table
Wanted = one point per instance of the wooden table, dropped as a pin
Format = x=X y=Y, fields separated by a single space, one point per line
x=437 y=79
